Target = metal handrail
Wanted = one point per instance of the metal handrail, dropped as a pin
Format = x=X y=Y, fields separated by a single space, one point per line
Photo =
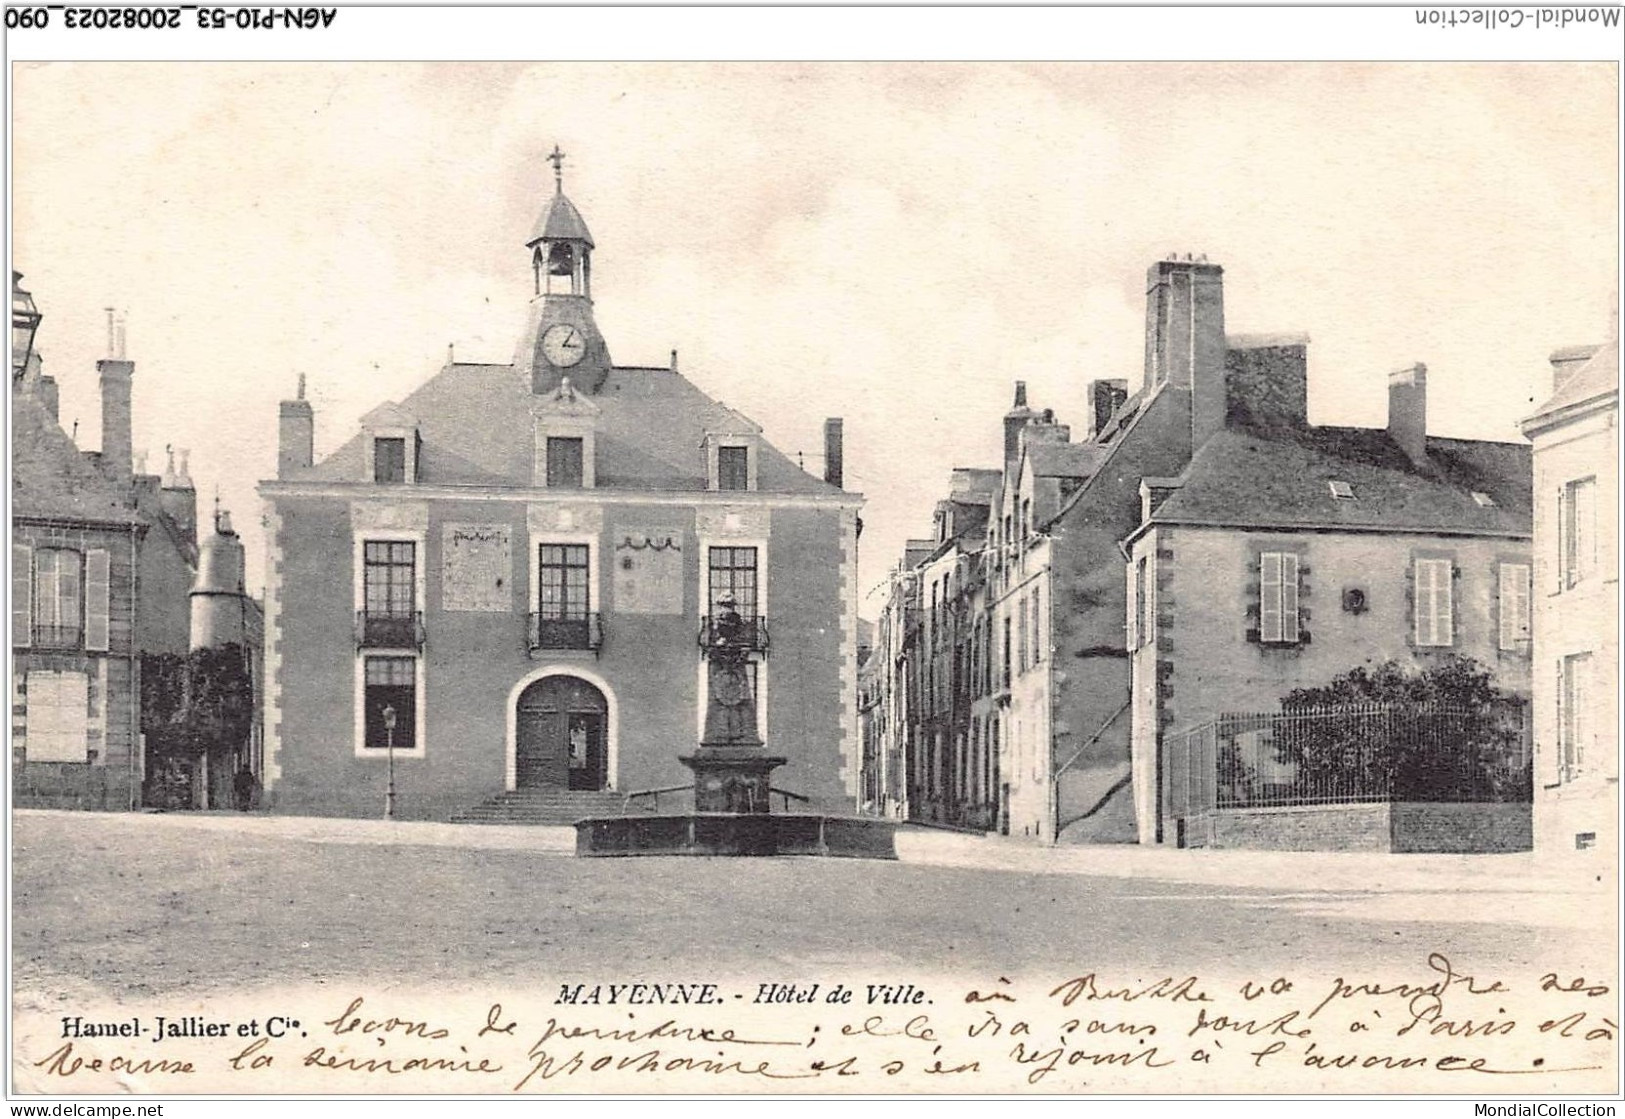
x=389 y=631
x=753 y=633
x=568 y=631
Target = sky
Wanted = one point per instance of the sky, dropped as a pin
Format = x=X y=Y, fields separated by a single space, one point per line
x=894 y=244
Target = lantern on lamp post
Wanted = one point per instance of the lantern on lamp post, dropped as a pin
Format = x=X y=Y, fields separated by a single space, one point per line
x=25 y=320
x=389 y=744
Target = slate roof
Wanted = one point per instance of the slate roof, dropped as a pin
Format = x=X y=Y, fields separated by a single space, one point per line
x=476 y=427
x=50 y=477
x=1065 y=460
x=561 y=222
x=1599 y=376
x=1280 y=476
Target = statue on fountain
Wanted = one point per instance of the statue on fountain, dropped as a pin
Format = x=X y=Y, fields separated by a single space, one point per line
x=730 y=712
x=732 y=773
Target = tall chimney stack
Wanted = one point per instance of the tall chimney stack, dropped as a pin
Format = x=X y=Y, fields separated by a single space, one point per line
x=834 y=466
x=1105 y=397
x=1408 y=411
x=1184 y=337
x=115 y=375
x=1018 y=417
x=296 y=434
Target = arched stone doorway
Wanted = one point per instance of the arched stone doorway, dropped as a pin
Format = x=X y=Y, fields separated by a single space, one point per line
x=561 y=733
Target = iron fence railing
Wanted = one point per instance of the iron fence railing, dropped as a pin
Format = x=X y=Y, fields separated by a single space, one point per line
x=575 y=631
x=1350 y=754
x=56 y=637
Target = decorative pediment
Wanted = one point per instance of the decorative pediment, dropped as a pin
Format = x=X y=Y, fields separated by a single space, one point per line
x=568 y=420
x=564 y=403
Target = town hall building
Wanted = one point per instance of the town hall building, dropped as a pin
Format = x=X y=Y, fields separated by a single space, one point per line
x=501 y=585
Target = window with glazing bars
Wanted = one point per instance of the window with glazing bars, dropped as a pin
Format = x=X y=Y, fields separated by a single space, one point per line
x=389 y=575
x=564 y=593
x=733 y=570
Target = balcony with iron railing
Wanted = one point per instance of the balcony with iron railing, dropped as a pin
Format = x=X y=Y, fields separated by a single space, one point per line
x=575 y=630
x=752 y=633
x=389 y=631
x=56 y=637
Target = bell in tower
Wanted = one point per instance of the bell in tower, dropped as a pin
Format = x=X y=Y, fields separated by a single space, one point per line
x=561 y=339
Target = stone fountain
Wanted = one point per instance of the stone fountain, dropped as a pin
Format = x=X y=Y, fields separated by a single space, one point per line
x=733 y=783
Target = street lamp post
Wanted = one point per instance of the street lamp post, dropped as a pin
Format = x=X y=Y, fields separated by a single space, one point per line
x=389 y=741
x=25 y=320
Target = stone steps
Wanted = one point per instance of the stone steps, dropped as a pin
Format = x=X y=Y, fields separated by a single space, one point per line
x=541 y=808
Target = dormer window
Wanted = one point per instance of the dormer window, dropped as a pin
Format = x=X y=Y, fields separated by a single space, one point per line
x=565 y=423
x=1483 y=499
x=731 y=457
x=733 y=468
x=392 y=446
x=564 y=459
x=1342 y=491
x=389 y=460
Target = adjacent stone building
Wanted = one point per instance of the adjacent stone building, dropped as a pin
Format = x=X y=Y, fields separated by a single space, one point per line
x=1287 y=554
x=517 y=562
x=104 y=560
x=1067 y=681
x=1576 y=595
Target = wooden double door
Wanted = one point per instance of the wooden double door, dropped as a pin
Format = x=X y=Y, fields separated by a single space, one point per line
x=561 y=735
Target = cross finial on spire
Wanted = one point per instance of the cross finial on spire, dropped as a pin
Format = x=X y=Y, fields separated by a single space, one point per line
x=556 y=158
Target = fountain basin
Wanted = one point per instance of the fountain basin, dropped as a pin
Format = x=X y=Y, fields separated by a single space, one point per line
x=748 y=834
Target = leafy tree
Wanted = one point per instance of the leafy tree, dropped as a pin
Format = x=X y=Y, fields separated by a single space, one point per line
x=196 y=701
x=1444 y=733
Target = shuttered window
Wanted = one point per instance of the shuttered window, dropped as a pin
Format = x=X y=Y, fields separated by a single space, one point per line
x=733 y=468
x=1573 y=720
x=1432 y=602
x=1278 y=598
x=1514 y=600
x=1579 y=531
x=58 y=605
x=97 y=595
x=564 y=462
x=22 y=583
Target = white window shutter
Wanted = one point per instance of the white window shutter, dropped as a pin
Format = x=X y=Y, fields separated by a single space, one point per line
x=97 y=604
x=1444 y=581
x=1564 y=744
x=22 y=586
x=1514 y=593
x=1289 y=597
x=1269 y=596
x=1422 y=601
x=1560 y=576
x=1133 y=606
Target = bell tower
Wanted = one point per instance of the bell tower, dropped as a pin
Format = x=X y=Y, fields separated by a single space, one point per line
x=561 y=340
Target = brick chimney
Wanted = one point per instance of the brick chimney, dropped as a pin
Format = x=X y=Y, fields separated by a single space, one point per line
x=1015 y=419
x=1104 y=398
x=1184 y=337
x=1567 y=361
x=834 y=467
x=296 y=434
x=1267 y=379
x=116 y=375
x=1408 y=411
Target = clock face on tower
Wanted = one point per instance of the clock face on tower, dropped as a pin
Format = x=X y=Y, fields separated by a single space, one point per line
x=563 y=345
